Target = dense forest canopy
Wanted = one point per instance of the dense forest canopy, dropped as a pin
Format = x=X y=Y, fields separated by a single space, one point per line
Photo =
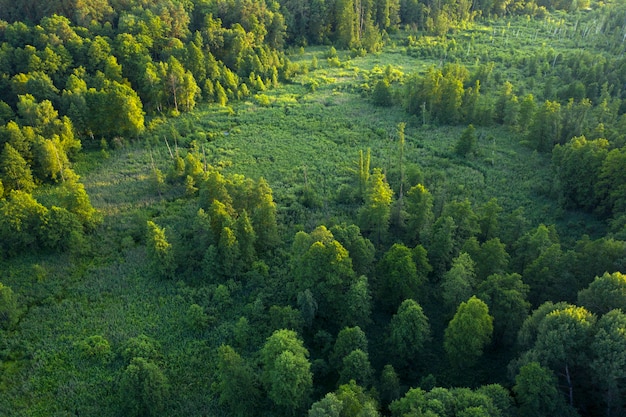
x=324 y=208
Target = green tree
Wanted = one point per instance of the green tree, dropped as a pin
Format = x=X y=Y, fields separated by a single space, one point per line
x=358 y=303
x=229 y=254
x=409 y=331
x=22 y=221
x=286 y=371
x=9 y=313
x=361 y=249
x=611 y=187
x=441 y=249
x=375 y=213
x=526 y=111
x=356 y=402
x=468 y=332
x=396 y=277
x=544 y=129
x=578 y=164
x=605 y=293
x=505 y=295
x=489 y=220
x=329 y=406
x=419 y=208
x=356 y=367
x=609 y=358
x=263 y=215
x=349 y=339
x=14 y=171
x=159 y=251
x=246 y=237
x=234 y=377
x=536 y=391
x=144 y=388
x=563 y=338
x=467 y=142
x=381 y=96
x=459 y=283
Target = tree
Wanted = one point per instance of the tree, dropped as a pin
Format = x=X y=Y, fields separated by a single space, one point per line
x=356 y=367
x=544 y=130
x=562 y=342
x=605 y=293
x=329 y=406
x=468 y=332
x=349 y=339
x=505 y=295
x=459 y=283
x=375 y=213
x=419 y=208
x=22 y=221
x=286 y=371
x=159 y=251
x=246 y=237
x=361 y=249
x=491 y=258
x=325 y=268
x=609 y=358
x=467 y=142
x=441 y=248
x=396 y=277
x=488 y=220
x=611 y=187
x=9 y=313
x=14 y=171
x=356 y=402
x=578 y=164
x=536 y=391
x=408 y=331
x=358 y=303
x=381 y=96
x=144 y=388
x=263 y=217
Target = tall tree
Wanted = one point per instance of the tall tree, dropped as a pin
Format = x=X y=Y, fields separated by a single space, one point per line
x=14 y=171
x=468 y=332
x=396 y=277
x=409 y=331
x=609 y=358
x=375 y=213
x=286 y=371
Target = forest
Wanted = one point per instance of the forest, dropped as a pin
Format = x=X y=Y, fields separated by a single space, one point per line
x=325 y=208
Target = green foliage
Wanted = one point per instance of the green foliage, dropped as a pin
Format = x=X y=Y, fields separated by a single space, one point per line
x=95 y=347
x=144 y=388
x=468 y=332
x=605 y=293
x=396 y=277
x=235 y=377
x=14 y=171
x=381 y=96
x=419 y=208
x=536 y=391
x=348 y=340
x=286 y=370
x=459 y=283
x=467 y=142
x=505 y=295
x=356 y=367
x=578 y=165
x=159 y=251
x=9 y=313
x=409 y=331
x=376 y=210
x=609 y=357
